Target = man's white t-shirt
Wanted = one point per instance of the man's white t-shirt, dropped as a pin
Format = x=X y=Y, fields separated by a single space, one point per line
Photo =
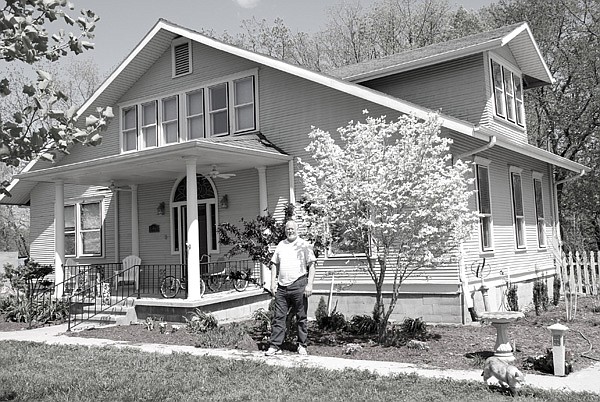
x=293 y=259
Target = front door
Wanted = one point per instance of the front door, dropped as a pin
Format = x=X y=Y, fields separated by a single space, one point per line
x=202 y=233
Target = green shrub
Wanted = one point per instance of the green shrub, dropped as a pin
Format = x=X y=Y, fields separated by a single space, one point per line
x=200 y=322
x=556 y=290
x=409 y=329
x=321 y=311
x=363 y=325
x=512 y=299
x=540 y=296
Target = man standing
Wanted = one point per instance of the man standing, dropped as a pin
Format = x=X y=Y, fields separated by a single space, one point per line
x=293 y=265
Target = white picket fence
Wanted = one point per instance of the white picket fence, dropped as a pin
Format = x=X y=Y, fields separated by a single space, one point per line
x=580 y=273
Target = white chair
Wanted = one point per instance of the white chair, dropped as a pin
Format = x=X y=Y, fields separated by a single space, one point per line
x=127 y=276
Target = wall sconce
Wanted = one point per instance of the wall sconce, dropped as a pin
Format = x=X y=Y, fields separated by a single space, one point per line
x=160 y=210
x=224 y=202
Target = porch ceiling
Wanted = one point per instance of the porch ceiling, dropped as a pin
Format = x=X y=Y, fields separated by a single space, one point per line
x=164 y=163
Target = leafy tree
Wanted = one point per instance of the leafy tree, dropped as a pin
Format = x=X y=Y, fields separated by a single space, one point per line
x=391 y=192
x=40 y=127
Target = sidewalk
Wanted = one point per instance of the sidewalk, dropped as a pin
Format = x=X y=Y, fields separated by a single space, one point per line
x=584 y=380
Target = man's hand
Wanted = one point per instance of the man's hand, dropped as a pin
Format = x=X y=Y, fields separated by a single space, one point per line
x=308 y=290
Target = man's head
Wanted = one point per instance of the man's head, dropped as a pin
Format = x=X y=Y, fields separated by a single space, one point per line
x=291 y=230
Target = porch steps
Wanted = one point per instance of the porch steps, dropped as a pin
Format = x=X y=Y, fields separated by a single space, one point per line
x=122 y=313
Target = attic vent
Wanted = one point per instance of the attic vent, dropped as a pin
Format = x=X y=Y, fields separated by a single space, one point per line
x=182 y=58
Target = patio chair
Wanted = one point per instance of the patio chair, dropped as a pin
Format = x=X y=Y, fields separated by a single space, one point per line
x=127 y=276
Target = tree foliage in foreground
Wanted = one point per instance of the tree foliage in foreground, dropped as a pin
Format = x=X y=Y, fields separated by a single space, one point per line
x=388 y=190
x=41 y=127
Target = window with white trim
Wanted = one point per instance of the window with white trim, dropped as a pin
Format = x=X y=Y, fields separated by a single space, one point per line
x=194 y=102
x=218 y=110
x=244 y=104
x=129 y=128
x=149 y=125
x=539 y=209
x=170 y=119
x=83 y=229
x=484 y=203
x=508 y=93
x=517 y=204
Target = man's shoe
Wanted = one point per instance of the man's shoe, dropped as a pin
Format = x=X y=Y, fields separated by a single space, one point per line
x=302 y=350
x=273 y=351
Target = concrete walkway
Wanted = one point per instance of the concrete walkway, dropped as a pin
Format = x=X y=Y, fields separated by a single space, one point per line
x=583 y=380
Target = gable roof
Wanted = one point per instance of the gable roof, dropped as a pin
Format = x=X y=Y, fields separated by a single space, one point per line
x=159 y=40
x=517 y=37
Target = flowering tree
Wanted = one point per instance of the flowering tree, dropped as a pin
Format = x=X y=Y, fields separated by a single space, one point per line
x=391 y=192
x=42 y=126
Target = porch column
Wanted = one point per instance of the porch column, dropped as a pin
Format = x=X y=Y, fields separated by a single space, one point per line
x=193 y=242
x=292 y=182
x=135 y=232
x=263 y=206
x=59 y=235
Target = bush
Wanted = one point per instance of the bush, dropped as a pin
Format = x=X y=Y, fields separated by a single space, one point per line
x=556 y=290
x=363 y=325
x=321 y=311
x=410 y=329
x=200 y=322
x=540 y=296
x=334 y=322
x=512 y=299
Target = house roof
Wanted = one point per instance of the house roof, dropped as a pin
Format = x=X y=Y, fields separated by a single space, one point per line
x=159 y=39
x=517 y=37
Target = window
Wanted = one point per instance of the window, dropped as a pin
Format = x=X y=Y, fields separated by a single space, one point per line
x=129 y=128
x=170 y=120
x=517 y=201
x=508 y=93
x=484 y=201
x=181 y=50
x=218 y=110
x=83 y=229
x=195 y=114
x=244 y=104
x=539 y=209
x=149 y=128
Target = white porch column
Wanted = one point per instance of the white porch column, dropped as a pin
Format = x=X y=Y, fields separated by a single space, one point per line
x=292 y=182
x=263 y=206
x=59 y=235
x=193 y=240
x=135 y=229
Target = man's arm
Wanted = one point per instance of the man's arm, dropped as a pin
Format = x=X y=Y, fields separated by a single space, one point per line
x=273 y=268
x=311 y=268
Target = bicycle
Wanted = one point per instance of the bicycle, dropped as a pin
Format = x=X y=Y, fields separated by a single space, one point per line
x=239 y=279
x=170 y=286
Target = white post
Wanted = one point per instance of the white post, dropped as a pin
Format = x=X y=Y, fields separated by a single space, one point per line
x=193 y=240
x=558 y=348
x=263 y=206
x=135 y=229
x=59 y=235
x=291 y=182
x=115 y=201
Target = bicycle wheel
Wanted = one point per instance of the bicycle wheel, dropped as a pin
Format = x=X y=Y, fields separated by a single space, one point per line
x=169 y=287
x=240 y=284
x=202 y=287
x=214 y=282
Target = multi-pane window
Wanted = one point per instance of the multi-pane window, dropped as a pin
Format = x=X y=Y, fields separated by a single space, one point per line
x=518 y=210
x=508 y=94
x=170 y=120
x=484 y=205
x=83 y=229
x=129 y=125
x=539 y=210
x=244 y=104
x=218 y=110
x=149 y=126
x=195 y=114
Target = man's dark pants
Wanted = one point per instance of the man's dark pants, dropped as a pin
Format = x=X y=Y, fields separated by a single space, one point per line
x=286 y=297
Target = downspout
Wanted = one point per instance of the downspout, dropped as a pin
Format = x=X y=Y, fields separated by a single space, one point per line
x=467 y=299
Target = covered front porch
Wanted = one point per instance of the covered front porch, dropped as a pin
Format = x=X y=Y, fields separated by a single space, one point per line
x=162 y=205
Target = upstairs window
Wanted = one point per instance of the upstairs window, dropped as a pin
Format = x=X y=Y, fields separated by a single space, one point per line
x=170 y=120
x=83 y=229
x=129 y=128
x=149 y=126
x=218 y=110
x=244 y=104
x=518 y=210
x=539 y=209
x=484 y=203
x=181 y=50
x=195 y=114
x=508 y=93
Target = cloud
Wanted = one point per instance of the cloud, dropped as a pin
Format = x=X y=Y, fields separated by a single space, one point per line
x=247 y=3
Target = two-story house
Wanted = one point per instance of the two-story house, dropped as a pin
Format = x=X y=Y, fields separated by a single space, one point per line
x=207 y=133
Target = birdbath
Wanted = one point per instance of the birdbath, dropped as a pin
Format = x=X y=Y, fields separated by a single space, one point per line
x=501 y=320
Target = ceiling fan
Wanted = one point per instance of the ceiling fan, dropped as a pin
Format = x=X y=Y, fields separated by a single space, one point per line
x=214 y=173
x=113 y=187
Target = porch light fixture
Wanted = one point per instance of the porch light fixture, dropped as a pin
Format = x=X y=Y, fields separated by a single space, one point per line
x=160 y=210
x=224 y=202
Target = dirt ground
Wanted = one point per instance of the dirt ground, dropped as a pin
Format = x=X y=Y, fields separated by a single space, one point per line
x=451 y=346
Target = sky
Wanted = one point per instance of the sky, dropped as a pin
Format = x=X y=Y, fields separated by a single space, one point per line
x=123 y=23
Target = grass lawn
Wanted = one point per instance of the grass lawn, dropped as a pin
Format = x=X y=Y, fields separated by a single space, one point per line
x=39 y=372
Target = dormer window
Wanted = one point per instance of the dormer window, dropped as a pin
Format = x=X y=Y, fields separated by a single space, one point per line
x=508 y=93
x=181 y=50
